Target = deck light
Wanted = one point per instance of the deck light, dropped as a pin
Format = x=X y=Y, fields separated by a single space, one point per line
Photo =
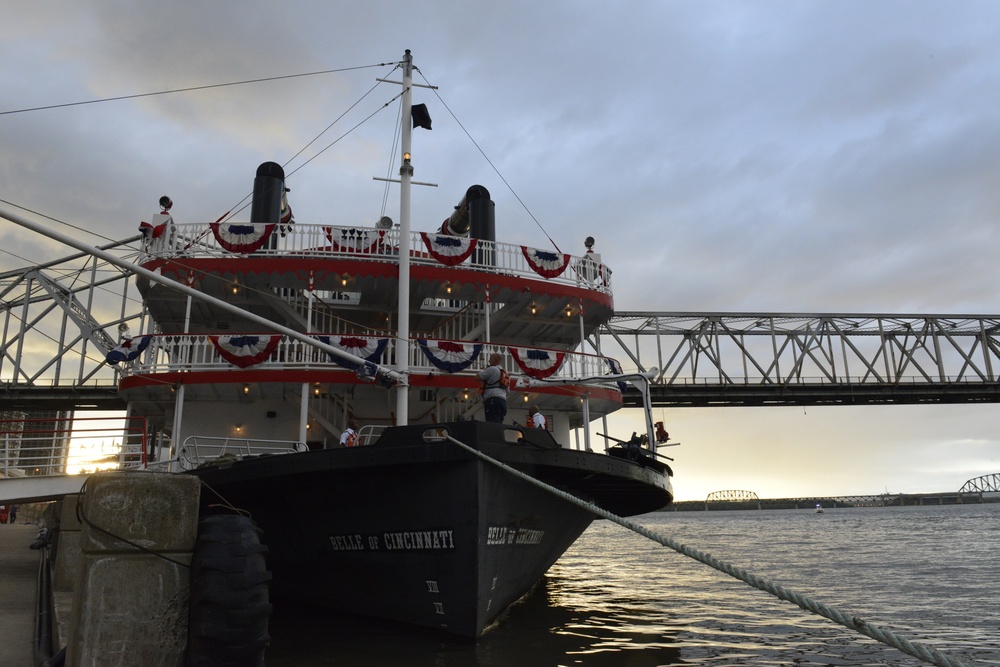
x=246 y=389
x=533 y=308
x=343 y=280
x=236 y=288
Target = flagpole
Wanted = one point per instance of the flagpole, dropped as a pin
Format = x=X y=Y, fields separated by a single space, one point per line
x=403 y=309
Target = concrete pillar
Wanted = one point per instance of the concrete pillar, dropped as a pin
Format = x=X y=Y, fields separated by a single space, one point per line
x=130 y=606
x=68 y=554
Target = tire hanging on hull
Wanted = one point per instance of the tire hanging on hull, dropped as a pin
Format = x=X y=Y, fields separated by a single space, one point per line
x=230 y=608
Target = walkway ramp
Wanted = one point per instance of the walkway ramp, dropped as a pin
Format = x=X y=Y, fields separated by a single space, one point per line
x=39 y=489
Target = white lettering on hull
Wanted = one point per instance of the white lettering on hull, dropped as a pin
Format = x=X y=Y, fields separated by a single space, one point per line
x=498 y=535
x=405 y=540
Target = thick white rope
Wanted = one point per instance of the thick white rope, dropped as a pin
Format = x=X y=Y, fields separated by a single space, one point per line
x=877 y=633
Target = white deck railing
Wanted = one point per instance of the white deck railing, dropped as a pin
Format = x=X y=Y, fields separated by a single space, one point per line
x=197 y=353
x=325 y=241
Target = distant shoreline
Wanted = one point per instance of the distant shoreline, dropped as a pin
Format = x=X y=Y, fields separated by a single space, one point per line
x=833 y=502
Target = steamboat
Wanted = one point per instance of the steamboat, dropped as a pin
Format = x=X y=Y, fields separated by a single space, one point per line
x=266 y=340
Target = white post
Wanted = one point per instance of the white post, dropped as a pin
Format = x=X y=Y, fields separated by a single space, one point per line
x=175 y=435
x=304 y=414
x=403 y=309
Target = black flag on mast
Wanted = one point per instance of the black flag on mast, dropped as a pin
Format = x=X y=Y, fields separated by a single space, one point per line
x=420 y=115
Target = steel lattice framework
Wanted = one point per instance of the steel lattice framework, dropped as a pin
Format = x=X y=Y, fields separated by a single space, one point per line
x=60 y=319
x=731 y=496
x=768 y=359
x=982 y=484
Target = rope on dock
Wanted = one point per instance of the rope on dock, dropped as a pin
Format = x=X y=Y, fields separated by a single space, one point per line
x=917 y=650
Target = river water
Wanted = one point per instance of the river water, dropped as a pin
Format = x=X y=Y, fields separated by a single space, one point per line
x=929 y=574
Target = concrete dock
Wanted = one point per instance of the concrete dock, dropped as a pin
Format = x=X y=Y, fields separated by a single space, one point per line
x=18 y=584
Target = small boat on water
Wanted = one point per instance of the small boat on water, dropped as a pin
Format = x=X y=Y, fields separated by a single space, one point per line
x=819 y=508
x=289 y=333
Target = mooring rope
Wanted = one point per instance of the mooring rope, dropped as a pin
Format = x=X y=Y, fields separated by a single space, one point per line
x=875 y=632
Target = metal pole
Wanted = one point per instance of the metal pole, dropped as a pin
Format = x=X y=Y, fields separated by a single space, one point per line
x=403 y=307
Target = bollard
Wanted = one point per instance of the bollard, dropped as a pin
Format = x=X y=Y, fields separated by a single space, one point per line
x=130 y=605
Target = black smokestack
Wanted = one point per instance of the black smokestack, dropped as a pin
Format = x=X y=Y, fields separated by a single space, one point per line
x=268 y=187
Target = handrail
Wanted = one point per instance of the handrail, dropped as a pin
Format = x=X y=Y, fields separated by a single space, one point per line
x=43 y=447
x=321 y=241
x=171 y=353
x=198 y=449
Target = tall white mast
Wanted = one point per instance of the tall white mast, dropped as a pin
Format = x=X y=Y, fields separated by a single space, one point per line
x=403 y=311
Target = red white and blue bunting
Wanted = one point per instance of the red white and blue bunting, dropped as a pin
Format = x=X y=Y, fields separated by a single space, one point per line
x=545 y=263
x=449 y=250
x=363 y=241
x=616 y=369
x=538 y=364
x=150 y=231
x=242 y=237
x=449 y=356
x=246 y=350
x=369 y=349
x=128 y=350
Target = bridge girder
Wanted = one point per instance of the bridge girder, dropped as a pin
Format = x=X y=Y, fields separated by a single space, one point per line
x=982 y=484
x=704 y=359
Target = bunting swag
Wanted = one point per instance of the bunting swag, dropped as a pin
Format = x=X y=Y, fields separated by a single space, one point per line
x=449 y=356
x=245 y=351
x=449 y=250
x=538 y=364
x=544 y=263
x=354 y=240
x=616 y=369
x=369 y=349
x=150 y=231
x=129 y=349
x=242 y=237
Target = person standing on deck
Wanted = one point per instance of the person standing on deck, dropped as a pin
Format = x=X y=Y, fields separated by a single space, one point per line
x=349 y=438
x=536 y=419
x=495 y=383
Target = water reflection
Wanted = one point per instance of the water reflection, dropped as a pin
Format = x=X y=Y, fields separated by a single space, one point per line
x=538 y=630
x=616 y=599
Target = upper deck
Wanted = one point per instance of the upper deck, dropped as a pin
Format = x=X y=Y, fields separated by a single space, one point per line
x=330 y=275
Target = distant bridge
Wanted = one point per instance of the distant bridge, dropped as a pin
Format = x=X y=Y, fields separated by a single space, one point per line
x=731 y=496
x=983 y=484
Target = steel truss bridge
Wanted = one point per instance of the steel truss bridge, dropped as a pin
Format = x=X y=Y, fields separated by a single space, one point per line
x=750 y=359
x=59 y=320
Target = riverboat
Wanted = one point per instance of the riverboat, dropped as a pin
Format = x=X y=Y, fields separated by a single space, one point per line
x=265 y=338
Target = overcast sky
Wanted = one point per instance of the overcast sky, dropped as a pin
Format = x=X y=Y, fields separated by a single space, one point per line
x=792 y=156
